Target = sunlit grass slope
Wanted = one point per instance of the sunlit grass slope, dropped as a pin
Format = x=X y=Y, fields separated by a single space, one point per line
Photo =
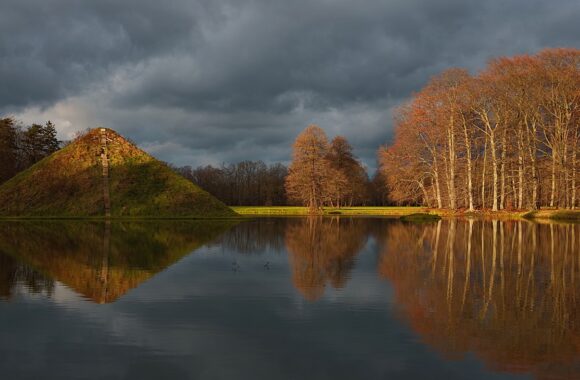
x=69 y=184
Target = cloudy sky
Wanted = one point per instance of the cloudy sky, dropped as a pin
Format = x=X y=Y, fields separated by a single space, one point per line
x=210 y=81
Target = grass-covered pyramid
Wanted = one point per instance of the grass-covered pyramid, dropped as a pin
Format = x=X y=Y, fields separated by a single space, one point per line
x=70 y=183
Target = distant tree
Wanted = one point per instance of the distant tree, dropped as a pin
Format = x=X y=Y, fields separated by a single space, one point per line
x=23 y=147
x=39 y=141
x=8 y=148
x=274 y=193
x=246 y=183
x=378 y=191
x=308 y=172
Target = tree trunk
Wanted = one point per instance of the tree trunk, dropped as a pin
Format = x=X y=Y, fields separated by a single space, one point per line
x=451 y=179
x=425 y=194
x=573 y=200
x=494 y=165
x=483 y=175
x=469 y=167
x=553 y=189
x=531 y=140
x=521 y=169
x=502 y=170
x=437 y=185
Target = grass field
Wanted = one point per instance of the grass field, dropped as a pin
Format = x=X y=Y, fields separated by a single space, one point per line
x=564 y=215
x=297 y=210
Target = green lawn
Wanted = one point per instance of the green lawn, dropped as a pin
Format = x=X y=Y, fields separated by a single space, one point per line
x=298 y=210
x=562 y=215
x=555 y=214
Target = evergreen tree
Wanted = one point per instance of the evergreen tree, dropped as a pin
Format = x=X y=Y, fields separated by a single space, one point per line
x=8 y=148
x=39 y=141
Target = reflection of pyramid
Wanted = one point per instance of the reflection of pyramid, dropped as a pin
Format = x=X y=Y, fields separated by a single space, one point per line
x=99 y=174
x=508 y=292
x=13 y=272
x=103 y=261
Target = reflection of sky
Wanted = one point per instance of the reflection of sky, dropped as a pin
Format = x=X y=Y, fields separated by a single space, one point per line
x=200 y=319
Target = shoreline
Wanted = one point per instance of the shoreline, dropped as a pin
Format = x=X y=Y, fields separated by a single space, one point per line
x=246 y=212
x=397 y=212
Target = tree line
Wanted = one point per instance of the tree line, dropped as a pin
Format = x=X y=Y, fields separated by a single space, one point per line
x=23 y=146
x=330 y=172
x=506 y=138
x=247 y=183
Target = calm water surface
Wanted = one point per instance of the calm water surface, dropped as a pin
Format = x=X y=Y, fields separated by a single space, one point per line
x=295 y=298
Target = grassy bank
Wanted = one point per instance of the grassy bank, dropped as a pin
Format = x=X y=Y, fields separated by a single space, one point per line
x=354 y=211
x=563 y=215
x=567 y=215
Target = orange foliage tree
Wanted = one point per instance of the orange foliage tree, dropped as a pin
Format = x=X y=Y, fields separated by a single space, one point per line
x=506 y=138
x=325 y=174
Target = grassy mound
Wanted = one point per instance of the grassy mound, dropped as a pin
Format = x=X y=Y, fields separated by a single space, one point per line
x=69 y=183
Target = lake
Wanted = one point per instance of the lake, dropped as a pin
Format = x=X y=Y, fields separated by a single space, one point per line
x=290 y=298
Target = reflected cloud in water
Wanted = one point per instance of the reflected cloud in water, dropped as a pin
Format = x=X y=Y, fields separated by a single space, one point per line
x=364 y=297
x=101 y=260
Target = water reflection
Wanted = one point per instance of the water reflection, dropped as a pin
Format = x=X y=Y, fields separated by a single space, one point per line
x=256 y=237
x=101 y=261
x=322 y=250
x=14 y=273
x=505 y=294
x=508 y=291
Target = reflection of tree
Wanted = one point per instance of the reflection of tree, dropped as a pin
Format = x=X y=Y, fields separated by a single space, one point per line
x=102 y=261
x=323 y=250
x=13 y=273
x=256 y=236
x=508 y=291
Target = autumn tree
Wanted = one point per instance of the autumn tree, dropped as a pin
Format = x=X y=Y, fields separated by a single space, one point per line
x=348 y=178
x=560 y=79
x=507 y=137
x=308 y=172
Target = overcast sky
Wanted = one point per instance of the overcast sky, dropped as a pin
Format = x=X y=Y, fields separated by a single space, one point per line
x=210 y=81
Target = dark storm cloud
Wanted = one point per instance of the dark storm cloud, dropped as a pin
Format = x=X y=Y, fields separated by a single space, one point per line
x=210 y=81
